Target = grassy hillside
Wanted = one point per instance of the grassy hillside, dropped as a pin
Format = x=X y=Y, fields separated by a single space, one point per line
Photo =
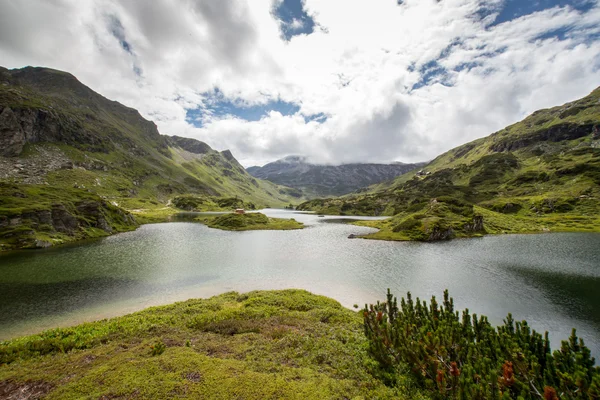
x=56 y=132
x=541 y=174
x=261 y=345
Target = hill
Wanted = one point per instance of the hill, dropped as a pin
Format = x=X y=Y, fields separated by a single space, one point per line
x=328 y=180
x=540 y=174
x=63 y=146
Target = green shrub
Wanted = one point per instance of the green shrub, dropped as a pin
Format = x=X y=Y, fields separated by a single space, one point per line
x=465 y=357
x=157 y=348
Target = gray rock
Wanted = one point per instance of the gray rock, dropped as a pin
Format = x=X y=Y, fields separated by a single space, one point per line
x=441 y=234
x=42 y=244
x=12 y=137
x=476 y=225
x=63 y=221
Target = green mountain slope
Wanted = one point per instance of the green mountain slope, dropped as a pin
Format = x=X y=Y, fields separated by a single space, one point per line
x=540 y=174
x=56 y=133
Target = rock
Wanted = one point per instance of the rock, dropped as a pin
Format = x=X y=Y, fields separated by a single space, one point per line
x=556 y=133
x=476 y=225
x=42 y=244
x=92 y=210
x=440 y=234
x=352 y=236
x=12 y=136
x=15 y=221
x=63 y=221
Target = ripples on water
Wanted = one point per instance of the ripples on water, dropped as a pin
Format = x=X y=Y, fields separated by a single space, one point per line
x=550 y=280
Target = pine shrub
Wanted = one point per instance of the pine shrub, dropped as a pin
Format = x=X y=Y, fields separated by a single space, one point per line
x=462 y=356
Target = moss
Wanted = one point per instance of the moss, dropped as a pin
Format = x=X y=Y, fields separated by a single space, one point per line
x=276 y=344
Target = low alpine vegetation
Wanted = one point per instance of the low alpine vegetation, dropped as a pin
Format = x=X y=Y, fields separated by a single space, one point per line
x=462 y=356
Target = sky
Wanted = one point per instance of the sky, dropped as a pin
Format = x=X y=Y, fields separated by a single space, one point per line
x=337 y=81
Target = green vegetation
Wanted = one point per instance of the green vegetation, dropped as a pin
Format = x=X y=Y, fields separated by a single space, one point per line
x=250 y=222
x=292 y=344
x=260 y=345
x=539 y=175
x=79 y=144
x=207 y=203
x=40 y=216
x=464 y=356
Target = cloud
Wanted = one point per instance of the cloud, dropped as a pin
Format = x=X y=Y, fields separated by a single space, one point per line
x=377 y=81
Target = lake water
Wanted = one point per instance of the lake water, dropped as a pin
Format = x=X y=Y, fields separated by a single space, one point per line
x=551 y=280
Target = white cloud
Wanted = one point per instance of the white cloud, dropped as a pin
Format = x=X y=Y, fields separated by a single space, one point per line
x=358 y=69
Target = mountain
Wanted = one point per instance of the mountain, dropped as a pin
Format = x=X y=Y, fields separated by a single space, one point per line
x=540 y=174
x=328 y=180
x=73 y=163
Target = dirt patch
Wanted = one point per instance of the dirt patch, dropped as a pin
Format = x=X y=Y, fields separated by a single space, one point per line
x=193 y=377
x=88 y=359
x=30 y=390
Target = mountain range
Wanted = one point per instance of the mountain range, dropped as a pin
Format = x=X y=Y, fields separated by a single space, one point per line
x=316 y=180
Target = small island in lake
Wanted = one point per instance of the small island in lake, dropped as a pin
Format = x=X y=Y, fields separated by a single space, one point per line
x=249 y=222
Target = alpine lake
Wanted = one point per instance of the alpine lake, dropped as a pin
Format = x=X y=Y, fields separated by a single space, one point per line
x=550 y=280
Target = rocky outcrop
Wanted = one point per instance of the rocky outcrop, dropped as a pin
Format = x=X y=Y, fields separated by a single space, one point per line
x=12 y=137
x=556 y=133
x=19 y=126
x=476 y=225
x=189 y=144
x=63 y=221
x=438 y=233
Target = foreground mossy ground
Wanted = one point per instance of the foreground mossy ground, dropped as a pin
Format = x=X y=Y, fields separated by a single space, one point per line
x=250 y=222
x=260 y=345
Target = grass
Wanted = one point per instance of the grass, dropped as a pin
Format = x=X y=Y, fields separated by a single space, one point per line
x=541 y=174
x=250 y=222
x=259 y=345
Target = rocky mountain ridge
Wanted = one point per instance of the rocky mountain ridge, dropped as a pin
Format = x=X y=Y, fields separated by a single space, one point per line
x=328 y=180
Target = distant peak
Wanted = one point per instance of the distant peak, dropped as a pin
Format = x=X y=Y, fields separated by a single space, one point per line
x=293 y=159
